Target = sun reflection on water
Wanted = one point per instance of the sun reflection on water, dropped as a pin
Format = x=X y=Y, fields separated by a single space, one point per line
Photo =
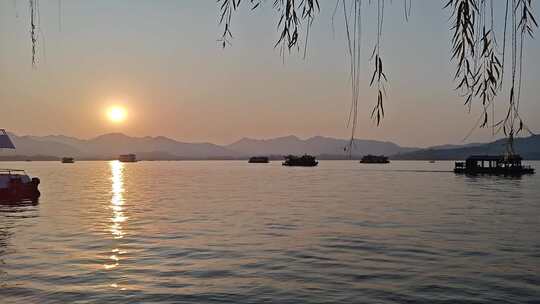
x=117 y=200
x=118 y=217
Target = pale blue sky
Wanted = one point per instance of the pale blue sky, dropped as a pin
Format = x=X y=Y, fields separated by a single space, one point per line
x=160 y=59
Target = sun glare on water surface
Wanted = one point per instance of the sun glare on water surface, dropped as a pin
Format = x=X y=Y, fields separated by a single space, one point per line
x=117 y=114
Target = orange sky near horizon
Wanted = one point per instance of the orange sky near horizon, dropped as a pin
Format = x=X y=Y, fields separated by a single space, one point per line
x=162 y=63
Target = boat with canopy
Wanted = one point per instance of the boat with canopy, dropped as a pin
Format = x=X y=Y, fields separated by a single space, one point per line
x=15 y=184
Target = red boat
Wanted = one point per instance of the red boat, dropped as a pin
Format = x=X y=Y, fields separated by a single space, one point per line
x=15 y=184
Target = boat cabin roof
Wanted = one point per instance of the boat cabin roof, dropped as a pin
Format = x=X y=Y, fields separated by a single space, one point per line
x=12 y=171
x=5 y=179
x=303 y=156
x=493 y=158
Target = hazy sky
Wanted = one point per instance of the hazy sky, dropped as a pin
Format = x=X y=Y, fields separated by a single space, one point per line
x=161 y=60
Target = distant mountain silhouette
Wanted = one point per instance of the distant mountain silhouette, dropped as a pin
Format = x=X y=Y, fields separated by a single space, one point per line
x=527 y=147
x=27 y=145
x=109 y=146
x=449 y=146
x=317 y=145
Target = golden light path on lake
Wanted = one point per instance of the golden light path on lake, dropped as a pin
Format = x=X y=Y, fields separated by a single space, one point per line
x=117 y=200
x=118 y=217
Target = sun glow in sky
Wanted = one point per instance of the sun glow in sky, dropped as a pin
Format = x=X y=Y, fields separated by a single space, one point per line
x=117 y=114
x=198 y=92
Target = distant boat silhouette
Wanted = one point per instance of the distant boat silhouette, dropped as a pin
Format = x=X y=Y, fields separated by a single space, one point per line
x=128 y=158
x=374 y=159
x=68 y=160
x=259 y=160
x=493 y=164
x=300 y=161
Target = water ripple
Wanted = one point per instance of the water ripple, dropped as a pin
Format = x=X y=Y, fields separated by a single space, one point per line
x=229 y=232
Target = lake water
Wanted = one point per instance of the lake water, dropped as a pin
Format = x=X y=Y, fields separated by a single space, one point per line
x=233 y=232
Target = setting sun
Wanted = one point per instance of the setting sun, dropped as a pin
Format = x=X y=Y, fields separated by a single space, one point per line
x=117 y=114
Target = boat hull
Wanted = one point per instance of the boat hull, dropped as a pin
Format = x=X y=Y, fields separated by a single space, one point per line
x=375 y=162
x=20 y=191
x=128 y=158
x=314 y=164
x=300 y=161
x=258 y=160
x=495 y=171
x=374 y=159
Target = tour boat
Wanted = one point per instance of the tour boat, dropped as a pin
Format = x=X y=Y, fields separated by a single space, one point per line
x=68 y=160
x=15 y=184
x=374 y=159
x=493 y=164
x=128 y=158
x=300 y=161
x=259 y=160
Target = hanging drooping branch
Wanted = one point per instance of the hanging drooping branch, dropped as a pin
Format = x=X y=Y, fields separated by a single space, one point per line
x=480 y=65
x=489 y=66
x=290 y=21
x=293 y=14
x=227 y=9
x=354 y=43
x=522 y=26
x=34 y=28
x=379 y=77
x=475 y=50
x=407 y=8
x=463 y=46
x=353 y=29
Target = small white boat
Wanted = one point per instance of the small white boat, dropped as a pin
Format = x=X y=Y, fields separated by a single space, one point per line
x=15 y=184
